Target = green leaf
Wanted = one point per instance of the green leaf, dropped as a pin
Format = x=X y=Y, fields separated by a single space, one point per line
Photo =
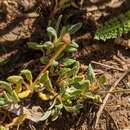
x=102 y=80
x=56 y=112
x=84 y=85
x=75 y=80
x=91 y=74
x=9 y=90
x=27 y=74
x=7 y=98
x=52 y=104
x=6 y=86
x=62 y=86
x=44 y=60
x=73 y=92
x=75 y=68
x=70 y=49
x=55 y=63
x=35 y=46
x=59 y=106
x=63 y=72
x=45 y=116
x=52 y=33
x=56 y=115
x=74 y=28
x=58 y=23
x=13 y=97
x=75 y=108
x=74 y=44
x=63 y=32
x=68 y=62
x=45 y=80
x=95 y=98
x=68 y=72
x=48 y=45
x=15 y=79
x=2 y=101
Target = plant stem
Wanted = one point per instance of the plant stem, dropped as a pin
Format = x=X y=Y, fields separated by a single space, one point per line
x=51 y=60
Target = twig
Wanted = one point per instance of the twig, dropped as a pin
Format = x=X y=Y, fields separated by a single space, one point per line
x=112 y=120
x=111 y=67
x=107 y=97
x=115 y=91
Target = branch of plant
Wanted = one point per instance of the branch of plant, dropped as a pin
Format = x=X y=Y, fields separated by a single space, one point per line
x=62 y=48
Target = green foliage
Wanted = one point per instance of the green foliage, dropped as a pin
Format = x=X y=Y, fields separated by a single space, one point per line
x=114 y=28
x=91 y=74
x=57 y=37
x=61 y=83
x=74 y=28
x=15 y=88
x=3 y=128
x=73 y=89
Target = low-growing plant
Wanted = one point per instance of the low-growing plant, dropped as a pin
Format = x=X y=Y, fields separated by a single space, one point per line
x=58 y=37
x=16 y=88
x=61 y=83
x=114 y=28
x=67 y=88
x=70 y=89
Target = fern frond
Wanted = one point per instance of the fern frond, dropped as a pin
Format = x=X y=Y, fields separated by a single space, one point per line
x=114 y=28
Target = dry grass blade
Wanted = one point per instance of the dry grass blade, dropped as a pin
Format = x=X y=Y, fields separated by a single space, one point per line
x=107 y=66
x=107 y=97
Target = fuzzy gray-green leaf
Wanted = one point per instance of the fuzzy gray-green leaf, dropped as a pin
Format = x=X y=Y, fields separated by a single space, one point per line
x=74 y=28
x=45 y=116
x=35 y=46
x=91 y=74
x=27 y=74
x=52 y=33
